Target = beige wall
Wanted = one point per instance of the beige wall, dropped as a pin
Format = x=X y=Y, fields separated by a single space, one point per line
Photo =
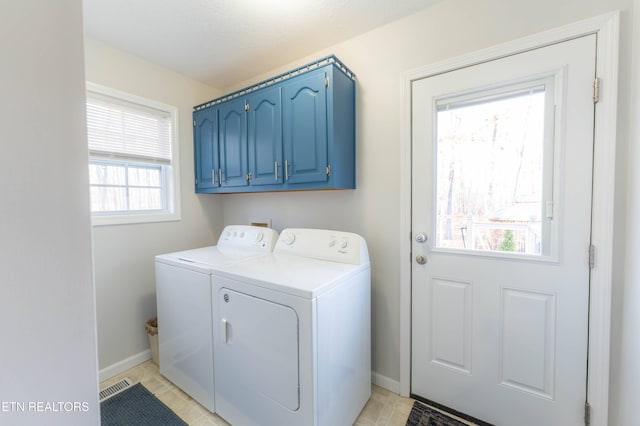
x=379 y=58
x=47 y=309
x=625 y=357
x=124 y=254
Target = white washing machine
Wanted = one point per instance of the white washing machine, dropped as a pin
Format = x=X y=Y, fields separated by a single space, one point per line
x=183 y=292
x=294 y=340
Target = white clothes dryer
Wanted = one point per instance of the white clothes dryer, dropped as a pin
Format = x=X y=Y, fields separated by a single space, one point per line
x=294 y=340
x=183 y=292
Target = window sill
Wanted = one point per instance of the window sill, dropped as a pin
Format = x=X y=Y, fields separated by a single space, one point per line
x=131 y=219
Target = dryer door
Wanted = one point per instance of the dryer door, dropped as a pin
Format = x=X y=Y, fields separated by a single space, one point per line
x=257 y=360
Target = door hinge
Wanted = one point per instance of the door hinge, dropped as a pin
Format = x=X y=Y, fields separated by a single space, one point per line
x=596 y=90
x=587 y=414
x=194 y=123
x=328 y=170
x=592 y=256
x=326 y=82
x=246 y=106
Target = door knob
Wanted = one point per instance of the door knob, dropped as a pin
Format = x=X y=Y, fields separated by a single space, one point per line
x=421 y=237
x=421 y=260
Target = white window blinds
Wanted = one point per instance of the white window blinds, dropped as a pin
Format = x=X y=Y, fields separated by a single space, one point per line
x=121 y=129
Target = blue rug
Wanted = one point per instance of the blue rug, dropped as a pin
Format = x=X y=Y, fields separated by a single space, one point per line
x=137 y=406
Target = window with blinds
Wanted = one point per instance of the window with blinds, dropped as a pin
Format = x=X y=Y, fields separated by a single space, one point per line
x=132 y=161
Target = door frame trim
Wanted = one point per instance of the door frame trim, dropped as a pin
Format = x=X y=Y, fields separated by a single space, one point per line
x=607 y=28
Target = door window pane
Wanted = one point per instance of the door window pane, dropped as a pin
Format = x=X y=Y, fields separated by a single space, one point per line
x=493 y=182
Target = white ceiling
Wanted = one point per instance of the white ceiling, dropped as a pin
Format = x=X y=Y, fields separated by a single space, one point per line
x=225 y=42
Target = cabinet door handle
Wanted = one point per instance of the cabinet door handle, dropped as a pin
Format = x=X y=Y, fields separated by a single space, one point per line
x=286 y=170
x=220 y=176
x=276 y=167
x=213 y=176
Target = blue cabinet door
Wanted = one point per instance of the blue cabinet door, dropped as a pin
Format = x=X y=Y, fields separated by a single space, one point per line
x=265 y=137
x=205 y=139
x=304 y=109
x=233 y=143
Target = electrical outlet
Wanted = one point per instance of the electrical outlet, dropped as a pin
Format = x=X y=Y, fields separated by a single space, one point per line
x=264 y=224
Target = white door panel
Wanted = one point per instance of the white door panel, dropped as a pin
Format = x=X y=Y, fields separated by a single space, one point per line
x=451 y=324
x=500 y=308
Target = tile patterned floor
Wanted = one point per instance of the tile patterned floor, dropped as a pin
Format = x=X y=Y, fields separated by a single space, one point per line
x=383 y=409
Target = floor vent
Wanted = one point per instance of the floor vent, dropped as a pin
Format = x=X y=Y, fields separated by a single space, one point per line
x=115 y=388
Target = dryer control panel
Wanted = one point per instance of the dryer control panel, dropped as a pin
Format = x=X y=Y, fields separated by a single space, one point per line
x=336 y=246
x=248 y=237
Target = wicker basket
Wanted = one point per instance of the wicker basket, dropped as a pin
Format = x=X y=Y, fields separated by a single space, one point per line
x=152 y=331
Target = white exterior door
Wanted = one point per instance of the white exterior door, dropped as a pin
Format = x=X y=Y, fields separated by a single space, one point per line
x=502 y=156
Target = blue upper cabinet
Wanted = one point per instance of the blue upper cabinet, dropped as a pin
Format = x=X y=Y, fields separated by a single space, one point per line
x=233 y=143
x=295 y=131
x=319 y=129
x=205 y=136
x=305 y=128
x=265 y=137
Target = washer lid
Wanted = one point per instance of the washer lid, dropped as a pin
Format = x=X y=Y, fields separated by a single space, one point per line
x=236 y=242
x=207 y=257
x=295 y=275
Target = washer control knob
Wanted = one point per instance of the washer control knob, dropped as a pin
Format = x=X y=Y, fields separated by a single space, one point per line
x=241 y=235
x=288 y=239
x=332 y=243
x=259 y=236
x=344 y=244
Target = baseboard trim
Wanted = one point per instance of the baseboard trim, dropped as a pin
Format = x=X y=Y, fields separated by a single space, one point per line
x=117 y=368
x=385 y=382
x=125 y=364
